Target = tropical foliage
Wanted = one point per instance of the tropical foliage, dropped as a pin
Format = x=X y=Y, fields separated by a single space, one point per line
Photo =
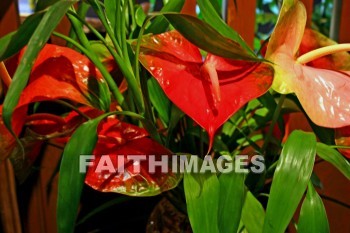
x=168 y=84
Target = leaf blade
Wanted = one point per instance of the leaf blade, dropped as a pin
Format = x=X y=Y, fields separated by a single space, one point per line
x=253 y=214
x=313 y=217
x=290 y=180
x=160 y=24
x=15 y=41
x=202 y=192
x=212 y=17
x=232 y=194
x=334 y=157
x=207 y=38
x=71 y=181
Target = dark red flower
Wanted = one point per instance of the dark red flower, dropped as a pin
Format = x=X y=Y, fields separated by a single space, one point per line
x=117 y=138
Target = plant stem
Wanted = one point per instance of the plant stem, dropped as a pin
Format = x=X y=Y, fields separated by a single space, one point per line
x=77 y=110
x=273 y=123
x=4 y=75
x=124 y=63
x=321 y=52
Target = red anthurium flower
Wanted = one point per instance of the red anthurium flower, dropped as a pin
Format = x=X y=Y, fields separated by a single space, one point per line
x=44 y=124
x=323 y=93
x=120 y=140
x=209 y=91
x=58 y=73
x=62 y=73
x=47 y=125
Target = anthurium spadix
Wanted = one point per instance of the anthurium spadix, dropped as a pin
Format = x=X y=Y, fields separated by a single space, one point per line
x=323 y=93
x=208 y=91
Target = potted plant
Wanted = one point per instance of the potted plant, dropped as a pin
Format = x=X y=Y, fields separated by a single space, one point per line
x=175 y=105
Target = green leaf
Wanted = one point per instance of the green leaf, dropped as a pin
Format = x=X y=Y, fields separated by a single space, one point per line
x=140 y=16
x=160 y=24
x=202 y=198
x=101 y=51
x=175 y=115
x=40 y=36
x=212 y=17
x=217 y=6
x=269 y=102
x=159 y=100
x=313 y=217
x=42 y=4
x=290 y=180
x=71 y=180
x=253 y=214
x=113 y=14
x=207 y=38
x=13 y=42
x=232 y=194
x=334 y=157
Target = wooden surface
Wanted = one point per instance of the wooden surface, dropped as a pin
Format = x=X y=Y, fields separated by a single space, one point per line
x=63 y=27
x=242 y=18
x=190 y=7
x=8 y=199
x=344 y=32
x=42 y=195
x=9 y=214
x=9 y=20
x=309 y=9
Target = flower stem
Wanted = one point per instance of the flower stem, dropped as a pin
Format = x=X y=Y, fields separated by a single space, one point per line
x=321 y=52
x=275 y=117
x=4 y=75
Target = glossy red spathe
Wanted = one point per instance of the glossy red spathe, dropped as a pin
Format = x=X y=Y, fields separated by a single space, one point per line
x=119 y=139
x=208 y=91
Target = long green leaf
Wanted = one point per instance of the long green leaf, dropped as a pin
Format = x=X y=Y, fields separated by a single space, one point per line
x=334 y=157
x=159 y=100
x=232 y=194
x=202 y=198
x=290 y=180
x=253 y=214
x=71 y=181
x=217 y=6
x=41 y=34
x=42 y=4
x=211 y=16
x=160 y=24
x=113 y=13
x=313 y=217
x=207 y=38
x=13 y=42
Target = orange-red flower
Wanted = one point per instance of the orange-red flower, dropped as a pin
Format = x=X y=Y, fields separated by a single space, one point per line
x=208 y=91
